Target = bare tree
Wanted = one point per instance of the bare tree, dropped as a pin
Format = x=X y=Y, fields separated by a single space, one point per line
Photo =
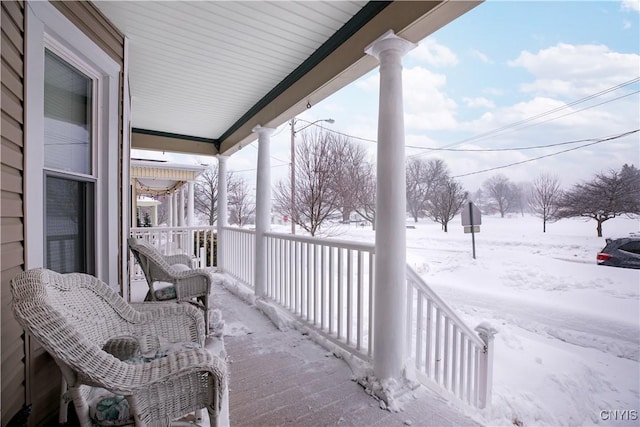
x=365 y=193
x=522 y=197
x=206 y=193
x=423 y=176
x=351 y=157
x=446 y=202
x=163 y=209
x=607 y=196
x=317 y=167
x=543 y=198
x=241 y=206
x=501 y=194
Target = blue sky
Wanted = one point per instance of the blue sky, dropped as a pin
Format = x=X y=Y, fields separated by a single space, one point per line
x=501 y=63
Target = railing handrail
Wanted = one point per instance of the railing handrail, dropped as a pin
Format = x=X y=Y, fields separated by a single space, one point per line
x=239 y=230
x=176 y=228
x=420 y=283
x=342 y=244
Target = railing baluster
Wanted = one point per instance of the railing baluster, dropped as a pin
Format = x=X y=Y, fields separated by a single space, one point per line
x=418 y=351
x=429 y=347
x=462 y=368
x=447 y=356
x=349 y=297
x=454 y=359
x=339 y=290
x=316 y=287
x=308 y=264
x=332 y=304
x=371 y=298
x=290 y=274
x=360 y=314
x=437 y=358
x=323 y=281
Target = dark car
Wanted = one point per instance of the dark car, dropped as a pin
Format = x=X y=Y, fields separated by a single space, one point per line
x=622 y=252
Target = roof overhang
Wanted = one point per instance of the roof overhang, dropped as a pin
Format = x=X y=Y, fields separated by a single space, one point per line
x=338 y=59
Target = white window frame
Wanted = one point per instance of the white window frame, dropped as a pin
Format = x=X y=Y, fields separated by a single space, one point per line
x=47 y=27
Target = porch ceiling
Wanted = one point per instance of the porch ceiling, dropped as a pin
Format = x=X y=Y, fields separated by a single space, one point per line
x=202 y=74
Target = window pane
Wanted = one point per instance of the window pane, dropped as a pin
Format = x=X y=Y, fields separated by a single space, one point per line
x=69 y=225
x=67 y=116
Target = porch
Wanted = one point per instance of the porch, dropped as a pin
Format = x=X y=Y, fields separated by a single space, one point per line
x=322 y=291
x=284 y=378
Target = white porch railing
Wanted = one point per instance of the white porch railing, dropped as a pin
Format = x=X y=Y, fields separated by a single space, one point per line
x=198 y=242
x=328 y=284
x=239 y=253
x=444 y=349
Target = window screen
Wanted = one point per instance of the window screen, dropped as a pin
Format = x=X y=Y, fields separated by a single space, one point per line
x=67 y=116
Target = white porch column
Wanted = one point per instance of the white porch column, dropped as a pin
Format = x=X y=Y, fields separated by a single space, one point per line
x=190 y=195
x=263 y=208
x=134 y=203
x=174 y=223
x=391 y=284
x=181 y=207
x=170 y=210
x=222 y=208
x=154 y=215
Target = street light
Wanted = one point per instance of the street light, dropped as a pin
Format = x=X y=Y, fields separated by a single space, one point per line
x=293 y=164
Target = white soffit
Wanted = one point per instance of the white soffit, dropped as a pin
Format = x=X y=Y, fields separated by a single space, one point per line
x=197 y=67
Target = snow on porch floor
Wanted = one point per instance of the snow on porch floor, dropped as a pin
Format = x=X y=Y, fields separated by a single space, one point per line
x=283 y=378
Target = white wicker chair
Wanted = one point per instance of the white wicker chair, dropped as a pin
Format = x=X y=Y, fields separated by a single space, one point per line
x=89 y=330
x=190 y=284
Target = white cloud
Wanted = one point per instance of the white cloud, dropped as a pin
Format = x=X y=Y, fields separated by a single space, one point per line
x=426 y=105
x=494 y=91
x=429 y=51
x=576 y=70
x=481 y=56
x=478 y=102
x=631 y=5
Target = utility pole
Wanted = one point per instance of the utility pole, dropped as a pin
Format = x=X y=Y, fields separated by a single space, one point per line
x=293 y=175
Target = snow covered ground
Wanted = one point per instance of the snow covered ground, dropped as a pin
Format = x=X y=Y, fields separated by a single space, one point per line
x=568 y=343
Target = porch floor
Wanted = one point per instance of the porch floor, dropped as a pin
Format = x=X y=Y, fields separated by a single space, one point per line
x=281 y=378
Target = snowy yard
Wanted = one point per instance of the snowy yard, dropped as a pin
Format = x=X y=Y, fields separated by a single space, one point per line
x=568 y=343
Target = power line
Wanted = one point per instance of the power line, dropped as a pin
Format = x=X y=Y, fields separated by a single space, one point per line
x=554 y=110
x=482 y=150
x=518 y=123
x=622 y=135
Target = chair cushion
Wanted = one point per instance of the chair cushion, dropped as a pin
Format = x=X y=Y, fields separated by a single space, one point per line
x=109 y=409
x=166 y=293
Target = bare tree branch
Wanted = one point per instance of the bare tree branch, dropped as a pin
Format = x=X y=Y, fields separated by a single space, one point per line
x=241 y=205
x=502 y=194
x=544 y=197
x=607 y=196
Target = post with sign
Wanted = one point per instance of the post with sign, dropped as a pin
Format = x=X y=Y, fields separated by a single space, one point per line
x=471 y=220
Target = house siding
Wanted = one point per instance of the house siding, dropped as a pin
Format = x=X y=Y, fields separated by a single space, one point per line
x=13 y=364
x=29 y=375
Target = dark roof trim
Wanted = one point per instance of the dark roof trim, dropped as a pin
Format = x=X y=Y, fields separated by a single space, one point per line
x=215 y=142
x=366 y=14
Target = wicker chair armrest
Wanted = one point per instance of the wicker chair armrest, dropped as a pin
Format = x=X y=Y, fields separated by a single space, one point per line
x=178 y=259
x=131 y=379
x=190 y=283
x=174 y=322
